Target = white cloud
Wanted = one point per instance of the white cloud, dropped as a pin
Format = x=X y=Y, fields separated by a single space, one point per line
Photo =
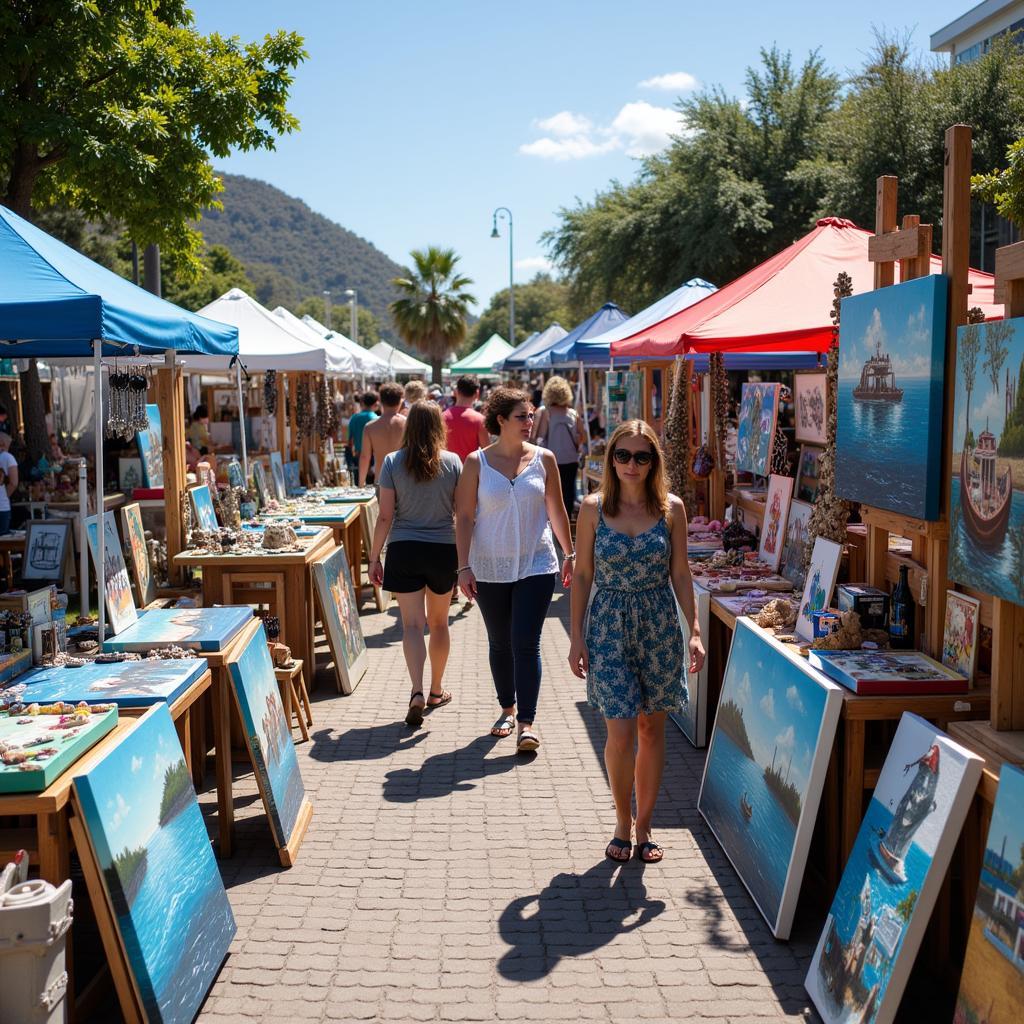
x=794 y=699
x=646 y=129
x=565 y=124
x=743 y=691
x=768 y=703
x=674 y=81
x=786 y=739
x=639 y=128
x=121 y=811
x=574 y=147
x=535 y=265
x=136 y=764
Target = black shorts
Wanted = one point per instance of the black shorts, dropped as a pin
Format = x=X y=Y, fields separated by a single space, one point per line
x=411 y=565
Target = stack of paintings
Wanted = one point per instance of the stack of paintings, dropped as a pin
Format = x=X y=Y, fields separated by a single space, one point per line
x=766 y=767
x=692 y=715
x=755 y=435
x=117 y=590
x=889 y=886
x=888 y=673
x=340 y=615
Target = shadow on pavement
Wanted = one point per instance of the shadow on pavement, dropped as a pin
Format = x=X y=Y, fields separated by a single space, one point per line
x=572 y=916
x=369 y=743
x=450 y=772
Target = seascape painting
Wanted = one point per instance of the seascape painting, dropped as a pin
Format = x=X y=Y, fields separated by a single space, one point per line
x=893 y=876
x=151 y=449
x=202 y=507
x=776 y=514
x=819 y=583
x=145 y=585
x=792 y=564
x=268 y=736
x=692 y=716
x=46 y=542
x=277 y=476
x=807 y=473
x=992 y=983
x=809 y=391
x=755 y=436
x=292 y=479
x=891 y=366
x=156 y=866
x=196 y=629
x=766 y=768
x=117 y=589
x=960 y=633
x=986 y=509
x=259 y=479
x=340 y=617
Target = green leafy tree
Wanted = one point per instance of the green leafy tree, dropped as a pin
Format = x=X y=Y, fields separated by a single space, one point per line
x=431 y=314
x=997 y=333
x=540 y=303
x=221 y=271
x=341 y=319
x=969 y=344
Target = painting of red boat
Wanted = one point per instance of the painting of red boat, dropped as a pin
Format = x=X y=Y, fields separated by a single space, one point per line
x=985 y=495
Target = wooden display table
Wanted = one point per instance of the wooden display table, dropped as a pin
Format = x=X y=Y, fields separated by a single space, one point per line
x=295 y=696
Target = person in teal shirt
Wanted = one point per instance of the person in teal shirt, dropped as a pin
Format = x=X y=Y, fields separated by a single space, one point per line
x=356 y=426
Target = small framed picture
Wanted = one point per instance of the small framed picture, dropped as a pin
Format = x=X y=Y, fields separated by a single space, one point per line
x=807 y=473
x=960 y=633
x=809 y=390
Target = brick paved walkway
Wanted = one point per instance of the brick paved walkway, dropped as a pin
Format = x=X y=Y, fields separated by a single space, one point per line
x=445 y=879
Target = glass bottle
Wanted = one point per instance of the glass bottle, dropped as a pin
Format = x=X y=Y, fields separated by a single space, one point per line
x=901 y=615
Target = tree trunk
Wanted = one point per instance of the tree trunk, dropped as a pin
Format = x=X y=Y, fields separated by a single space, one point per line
x=25 y=169
x=435 y=369
x=37 y=437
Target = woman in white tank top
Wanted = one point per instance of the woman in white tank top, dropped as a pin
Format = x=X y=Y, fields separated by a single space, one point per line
x=508 y=502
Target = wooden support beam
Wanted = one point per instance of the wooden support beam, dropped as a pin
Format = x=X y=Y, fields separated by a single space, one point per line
x=288 y=454
x=909 y=243
x=885 y=221
x=170 y=397
x=1009 y=271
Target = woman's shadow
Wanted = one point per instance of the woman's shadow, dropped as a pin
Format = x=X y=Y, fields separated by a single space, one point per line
x=452 y=771
x=572 y=916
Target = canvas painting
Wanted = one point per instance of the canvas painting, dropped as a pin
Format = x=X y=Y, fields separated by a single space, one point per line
x=292 y=479
x=792 y=564
x=992 y=983
x=819 y=584
x=202 y=508
x=888 y=672
x=315 y=473
x=121 y=612
x=807 y=473
x=986 y=507
x=776 y=514
x=890 y=883
x=692 y=716
x=259 y=478
x=755 y=436
x=891 y=365
x=766 y=767
x=151 y=449
x=129 y=474
x=195 y=629
x=156 y=868
x=145 y=585
x=340 y=616
x=46 y=542
x=280 y=486
x=268 y=736
x=236 y=478
x=960 y=633
x=809 y=407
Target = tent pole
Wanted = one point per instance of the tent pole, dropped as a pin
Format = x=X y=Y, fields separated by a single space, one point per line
x=583 y=402
x=241 y=420
x=83 y=538
x=101 y=552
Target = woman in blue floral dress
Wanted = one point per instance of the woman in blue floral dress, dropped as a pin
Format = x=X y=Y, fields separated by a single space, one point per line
x=631 y=546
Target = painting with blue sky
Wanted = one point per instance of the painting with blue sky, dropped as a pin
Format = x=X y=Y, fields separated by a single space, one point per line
x=293 y=479
x=117 y=589
x=196 y=629
x=202 y=506
x=156 y=866
x=151 y=449
x=889 y=402
x=766 y=767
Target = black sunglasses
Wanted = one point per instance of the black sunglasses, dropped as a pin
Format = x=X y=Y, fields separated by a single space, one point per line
x=623 y=455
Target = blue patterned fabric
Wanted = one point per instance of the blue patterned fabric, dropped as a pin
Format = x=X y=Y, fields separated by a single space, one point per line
x=634 y=641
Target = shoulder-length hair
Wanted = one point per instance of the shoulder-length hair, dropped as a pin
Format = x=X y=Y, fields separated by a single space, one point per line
x=423 y=440
x=655 y=485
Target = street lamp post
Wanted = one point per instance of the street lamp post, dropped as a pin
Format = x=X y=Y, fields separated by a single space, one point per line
x=511 y=270
x=327 y=308
x=355 y=316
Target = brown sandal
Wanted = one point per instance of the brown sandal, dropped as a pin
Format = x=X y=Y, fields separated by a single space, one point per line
x=414 y=716
x=438 y=700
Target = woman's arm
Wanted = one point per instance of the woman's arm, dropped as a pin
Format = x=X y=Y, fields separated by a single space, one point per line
x=582 y=581
x=682 y=581
x=385 y=517
x=465 y=520
x=556 y=511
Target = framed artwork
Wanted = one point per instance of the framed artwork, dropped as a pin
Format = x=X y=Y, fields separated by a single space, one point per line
x=129 y=474
x=819 y=584
x=277 y=476
x=755 y=435
x=292 y=479
x=623 y=397
x=807 y=473
x=151 y=874
x=776 y=515
x=960 y=633
x=693 y=715
x=269 y=739
x=151 y=449
x=145 y=585
x=195 y=629
x=340 y=616
x=236 y=478
x=809 y=391
x=892 y=345
x=225 y=403
x=792 y=563
x=889 y=886
x=202 y=506
x=368 y=519
x=46 y=547
x=888 y=672
x=986 y=501
x=117 y=590
x=259 y=478
x=992 y=982
x=315 y=473
x=766 y=767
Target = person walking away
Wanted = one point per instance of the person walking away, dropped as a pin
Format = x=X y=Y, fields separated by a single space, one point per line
x=507 y=504
x=356 y=425
x=415 y=390
x=631 y=545
x=558 y=428
x=383 y=435
x=8 y=480
x=417 y=522
x=462 y=423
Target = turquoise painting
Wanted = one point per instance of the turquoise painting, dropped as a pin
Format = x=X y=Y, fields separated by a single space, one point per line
x=195 y=629
x=202 y=506
x=268 y=735
x=292 y=479
x=277 y=476
x=755 y=434
x=151 y=449
x=156 y=865
x=340 y=616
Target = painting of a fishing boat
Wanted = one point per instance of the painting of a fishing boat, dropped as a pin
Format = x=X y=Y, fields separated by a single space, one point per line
x=878 y=379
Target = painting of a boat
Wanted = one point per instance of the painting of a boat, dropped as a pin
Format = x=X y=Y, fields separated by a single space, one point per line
x=985 y=495
x=878 y=379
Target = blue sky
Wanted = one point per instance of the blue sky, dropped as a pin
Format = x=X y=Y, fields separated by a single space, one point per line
x=419 y=119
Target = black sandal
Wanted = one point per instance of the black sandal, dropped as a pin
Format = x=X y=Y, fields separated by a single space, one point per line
x=414 y=716
x=620 y=845
x=504 y=726
x=644 y=849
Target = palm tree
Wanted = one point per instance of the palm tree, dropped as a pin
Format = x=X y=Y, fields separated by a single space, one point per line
x=431 y=314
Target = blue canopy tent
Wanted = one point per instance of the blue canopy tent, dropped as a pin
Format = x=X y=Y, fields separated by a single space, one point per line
x=563 y=352
x=56 y=302
x=537 y=342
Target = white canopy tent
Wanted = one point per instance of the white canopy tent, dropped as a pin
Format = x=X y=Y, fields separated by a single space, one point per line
x=367 y=364
x=340 y=355
x=399 y=363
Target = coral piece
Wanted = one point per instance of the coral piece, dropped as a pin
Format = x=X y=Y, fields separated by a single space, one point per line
x=278 y=536
x=847 y=638
x=172 y=651
x=777 y=614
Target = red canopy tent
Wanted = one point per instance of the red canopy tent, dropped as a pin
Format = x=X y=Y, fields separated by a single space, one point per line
x=783 y=304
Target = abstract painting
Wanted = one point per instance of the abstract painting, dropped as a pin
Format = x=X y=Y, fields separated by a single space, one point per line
x=960 y=633
x=986 y=502
x=277 y=476
x=992 y=982
x=891 y=366
x=755 y=436
x=195 y=629
x=809 y=407
x=268 y=737
x=819 y=584
x=766 y=767
x=151 y=449
x=145 y=585
x=807 y=473
x=890 y=883
x=117 y=589
x=340 y=616
x=693 y=715
x=776 y=514
x=46 y=542
x=202 y=506
x=152 y=864
x=792 y=564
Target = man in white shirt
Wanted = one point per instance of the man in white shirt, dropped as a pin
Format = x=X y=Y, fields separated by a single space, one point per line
x=8 y=481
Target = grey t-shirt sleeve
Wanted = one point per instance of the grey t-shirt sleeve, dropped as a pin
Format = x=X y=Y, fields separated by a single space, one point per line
x=387 y=478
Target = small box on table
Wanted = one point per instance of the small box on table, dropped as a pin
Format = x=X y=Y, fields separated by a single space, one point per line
x=870 y=603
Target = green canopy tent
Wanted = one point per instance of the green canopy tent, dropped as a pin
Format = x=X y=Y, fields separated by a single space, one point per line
x=482 y=360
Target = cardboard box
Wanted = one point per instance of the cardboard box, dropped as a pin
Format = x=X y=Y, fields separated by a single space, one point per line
x=870 y=603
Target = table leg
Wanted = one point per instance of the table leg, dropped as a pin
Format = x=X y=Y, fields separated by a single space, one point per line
x=183 y=726
x=297 y=625
x=54 y=847
x=853 y=783
x=213 y=585
x=296 y=703
x=222 y=744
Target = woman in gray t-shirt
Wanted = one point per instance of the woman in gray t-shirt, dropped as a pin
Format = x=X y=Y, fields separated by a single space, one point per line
x=417 y=522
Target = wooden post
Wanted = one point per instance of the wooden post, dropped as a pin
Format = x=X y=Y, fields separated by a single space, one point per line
x=288 y=453
x=170 y=398
x=281 y=413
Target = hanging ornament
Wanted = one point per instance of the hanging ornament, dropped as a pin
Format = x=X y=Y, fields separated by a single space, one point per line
x=719 y=403
x=270 y=392
x=304 y=408
x=326 y=420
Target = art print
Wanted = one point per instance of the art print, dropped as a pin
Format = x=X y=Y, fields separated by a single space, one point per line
x=340 y=616
x=129 y=474
x=46 y=542
x=776 y=514
x=819 y=584
x=692 y=716
x=117 y=590
x=890 y=883
x=807 y=473
x=195 y=629
x=986 y=508
x=292 y=479
x=792 y=564
x=891 y=367
x=202 y=506
x=151 y=449
x=809 y=390
x=960 y=633
x=277 y=476
x=766 y=768
x=138 y=549
x=755 y=435
x=259 y=479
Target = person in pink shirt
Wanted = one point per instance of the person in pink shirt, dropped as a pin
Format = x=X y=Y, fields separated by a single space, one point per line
x=462 y=423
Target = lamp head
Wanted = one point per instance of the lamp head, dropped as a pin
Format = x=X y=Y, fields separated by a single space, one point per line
x=494 y=231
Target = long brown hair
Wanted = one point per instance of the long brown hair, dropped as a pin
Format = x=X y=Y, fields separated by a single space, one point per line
x=423 y=440
x=655 y=485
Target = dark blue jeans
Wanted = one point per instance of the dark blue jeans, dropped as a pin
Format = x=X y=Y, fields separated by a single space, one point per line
x=5 y=521
x=514 y=616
